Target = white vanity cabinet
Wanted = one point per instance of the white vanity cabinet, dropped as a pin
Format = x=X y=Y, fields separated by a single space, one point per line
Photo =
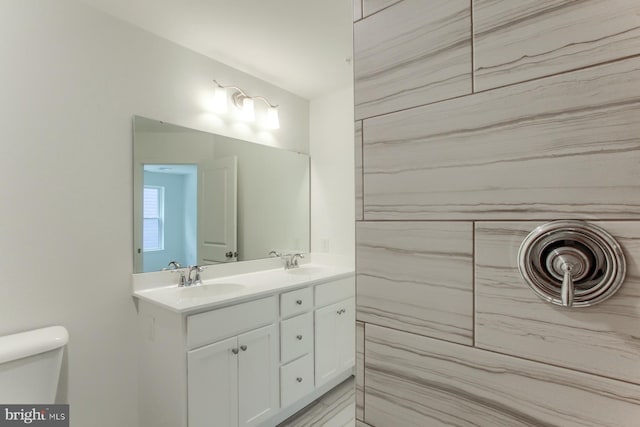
x=334 y=331
x=251 y=362
x=233 y=382
x=296 y=345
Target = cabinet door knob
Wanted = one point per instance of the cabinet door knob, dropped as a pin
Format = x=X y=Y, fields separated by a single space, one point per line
x=234 y=350
x=299 y=302
x=299 y=379
x=341 y=311
x=299 y=337
x=243 y=347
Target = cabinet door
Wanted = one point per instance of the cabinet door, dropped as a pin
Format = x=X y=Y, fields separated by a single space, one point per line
x=346 y=335
x=212 y=375
x=326 y=327
x=335 y=339
x=258 y=375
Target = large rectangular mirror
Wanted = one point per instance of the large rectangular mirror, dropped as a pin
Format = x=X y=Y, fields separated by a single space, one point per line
x=202 y=198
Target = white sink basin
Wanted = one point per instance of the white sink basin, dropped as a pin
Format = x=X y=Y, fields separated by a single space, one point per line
x=213 y=289
x=304 y=270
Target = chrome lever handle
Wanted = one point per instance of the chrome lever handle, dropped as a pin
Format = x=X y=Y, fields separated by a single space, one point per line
x=183 y=278
x=567 y=291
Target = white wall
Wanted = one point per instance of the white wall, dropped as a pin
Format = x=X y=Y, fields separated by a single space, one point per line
x=332 y=174
x=72 y=78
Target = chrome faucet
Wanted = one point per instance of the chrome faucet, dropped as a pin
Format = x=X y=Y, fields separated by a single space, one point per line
x=292 y=261
x=196 y=279
x=186 y=273
x=174 y=267
x=182 y=282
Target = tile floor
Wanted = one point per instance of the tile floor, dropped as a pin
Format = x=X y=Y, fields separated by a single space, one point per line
x=334 y=409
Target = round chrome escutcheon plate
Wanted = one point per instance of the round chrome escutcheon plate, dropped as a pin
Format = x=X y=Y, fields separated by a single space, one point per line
x=572 y=263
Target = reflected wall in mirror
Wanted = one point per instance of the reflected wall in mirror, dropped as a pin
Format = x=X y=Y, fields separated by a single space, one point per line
x=202 y=198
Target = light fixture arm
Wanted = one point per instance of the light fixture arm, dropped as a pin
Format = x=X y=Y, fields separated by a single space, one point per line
x=265 y=100
x=239 y=96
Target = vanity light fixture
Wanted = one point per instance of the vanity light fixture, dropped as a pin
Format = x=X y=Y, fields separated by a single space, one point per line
x=245 y=104
x=219 y=99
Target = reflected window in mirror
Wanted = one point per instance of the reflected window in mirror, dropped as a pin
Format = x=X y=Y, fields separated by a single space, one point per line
x=153 y=209
x=169 y=210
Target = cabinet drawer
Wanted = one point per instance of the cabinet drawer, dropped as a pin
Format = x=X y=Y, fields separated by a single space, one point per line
x=296 y=337
x=295 y=302
x=296 y=380
x=328 y=293
x=221 y=323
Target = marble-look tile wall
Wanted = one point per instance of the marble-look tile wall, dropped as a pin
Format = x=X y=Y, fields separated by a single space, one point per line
x=360 y=370
x=412 y=51
x=372 y=6
x=603 y=339
x=358 y=170
x=476 y=121
x=417 y=277
x=568 y=35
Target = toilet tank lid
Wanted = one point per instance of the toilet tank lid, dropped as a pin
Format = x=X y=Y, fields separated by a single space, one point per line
x=25 y=344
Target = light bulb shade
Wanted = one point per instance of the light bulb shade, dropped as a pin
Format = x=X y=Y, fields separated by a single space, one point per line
x=273 y=122
x=219 y=103
x=247 y=112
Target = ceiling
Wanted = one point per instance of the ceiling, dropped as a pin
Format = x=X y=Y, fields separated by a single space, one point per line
x=303 y=46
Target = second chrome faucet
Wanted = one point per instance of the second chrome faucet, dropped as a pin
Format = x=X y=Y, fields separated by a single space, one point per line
x=292 y=261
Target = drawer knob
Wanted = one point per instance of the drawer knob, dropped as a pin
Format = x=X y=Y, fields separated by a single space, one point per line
x=299 y=301
x=299 y=379
x=299 y=337
x=234 y=350
x=243 y=347
x=341 y=311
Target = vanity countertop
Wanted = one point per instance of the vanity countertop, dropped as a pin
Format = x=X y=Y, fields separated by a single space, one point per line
x=242 y=287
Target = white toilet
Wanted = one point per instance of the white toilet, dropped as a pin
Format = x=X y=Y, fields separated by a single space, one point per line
x=30 y=365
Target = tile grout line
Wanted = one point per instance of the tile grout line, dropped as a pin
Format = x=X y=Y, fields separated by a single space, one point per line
x=379 y=10
x=473 y=61
x=364 y=345
x=473 y=283
x=559 y=73
x=362 y=168
x=397 y=329
x=512 y=356
x=540 y=220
